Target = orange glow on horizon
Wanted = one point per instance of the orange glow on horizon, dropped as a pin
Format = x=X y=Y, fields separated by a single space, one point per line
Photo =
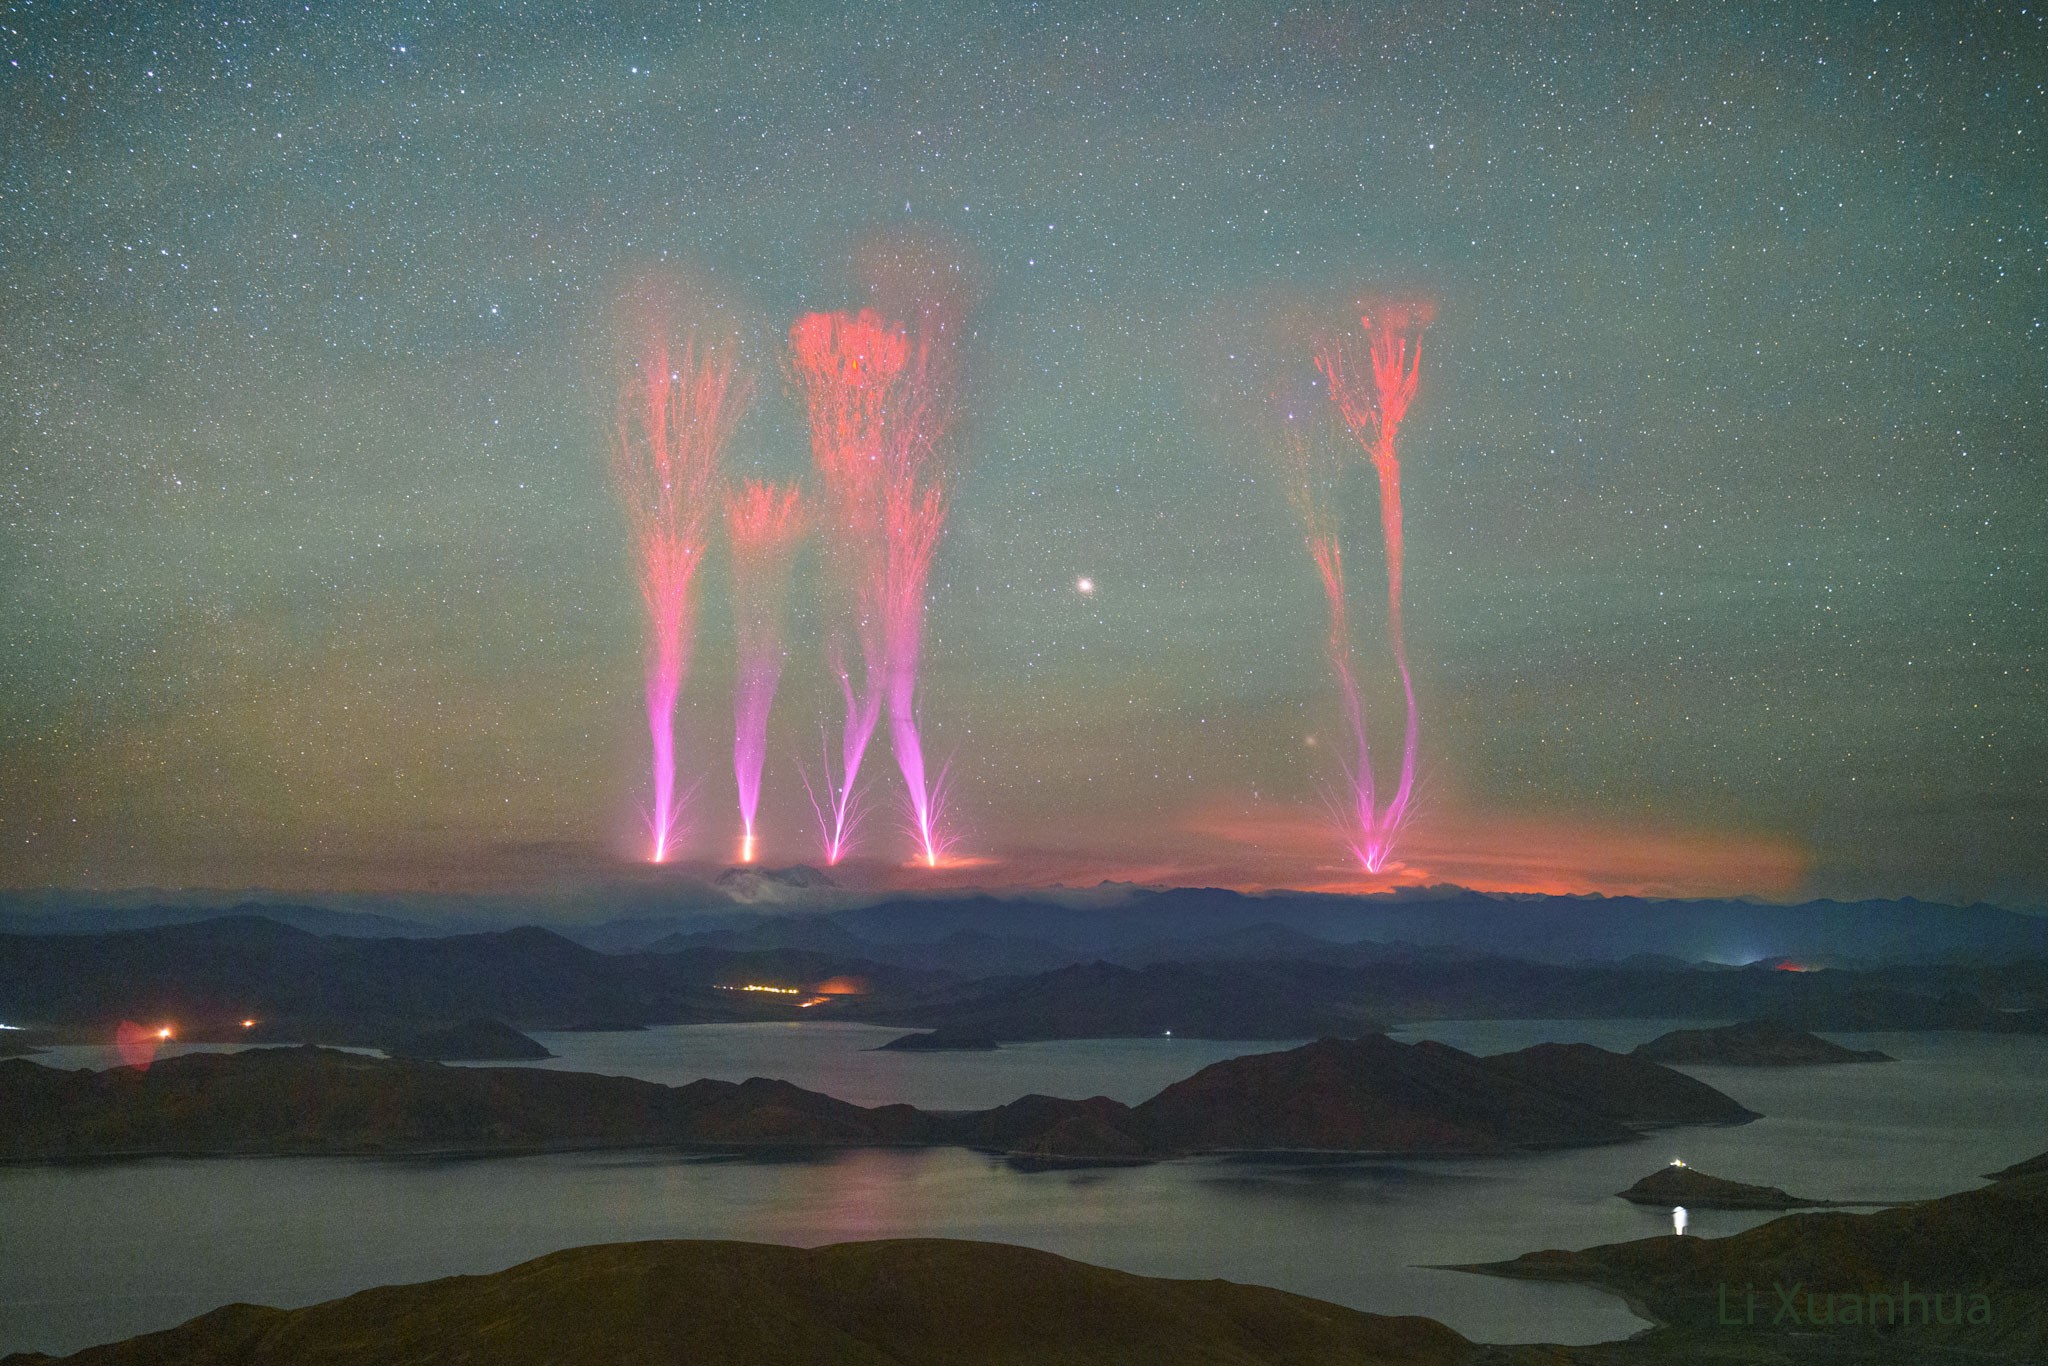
x=1549 y=854
x=941 y=861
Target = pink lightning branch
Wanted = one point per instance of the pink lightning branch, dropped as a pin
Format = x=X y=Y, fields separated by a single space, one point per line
x=1311 y=480
x=763 y=522
x=677 y=411
x=1373 y=411
x=879 y=402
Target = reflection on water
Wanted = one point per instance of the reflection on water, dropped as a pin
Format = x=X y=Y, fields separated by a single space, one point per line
x=112 y=1250
x=100 y=1252
x=1678 y=1219
x=847 y=1061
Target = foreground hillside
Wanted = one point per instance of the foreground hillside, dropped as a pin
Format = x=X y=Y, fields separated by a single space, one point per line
x=911 y=1302
x=1346 y=1095
x=924 y=1302
x=1975 y=1261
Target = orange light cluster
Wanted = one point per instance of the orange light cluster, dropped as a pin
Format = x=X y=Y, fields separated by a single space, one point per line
x=754 y=986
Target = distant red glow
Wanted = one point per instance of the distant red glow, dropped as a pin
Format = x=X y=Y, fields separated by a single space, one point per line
x=1793 y=967
x=1278 y=844
x=842 y=986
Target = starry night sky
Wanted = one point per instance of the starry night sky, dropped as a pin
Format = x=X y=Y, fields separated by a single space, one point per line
x=1726 y=501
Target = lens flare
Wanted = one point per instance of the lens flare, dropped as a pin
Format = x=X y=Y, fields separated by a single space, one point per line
x=138 y=1044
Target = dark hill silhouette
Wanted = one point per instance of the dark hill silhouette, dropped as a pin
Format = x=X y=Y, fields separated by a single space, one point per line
x=1694 y=1189
x=252 y=965
x=1751 y=1043
x=1984 y=1242
x=64 y=918
x=471 y=1041
x=1625 y=1089
x=941 y=1041
x=1368 y=1095
x=1301 y=998
x=213 y=974
x=2031 y=1167
x=1376 y=1095
x=317 y=1100
x=1210 y=1001
x=1107 y=921
x=1553 y=929
x=907 y=1302
x=353 y=990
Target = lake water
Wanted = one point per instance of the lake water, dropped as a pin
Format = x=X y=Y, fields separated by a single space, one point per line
x=96 y=1252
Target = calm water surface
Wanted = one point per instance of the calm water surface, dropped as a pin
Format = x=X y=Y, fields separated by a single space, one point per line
x=91 y=1253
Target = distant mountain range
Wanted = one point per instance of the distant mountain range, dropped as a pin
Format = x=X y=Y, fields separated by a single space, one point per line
x=1034 y=931
x=207 y=977
x=1293 y=999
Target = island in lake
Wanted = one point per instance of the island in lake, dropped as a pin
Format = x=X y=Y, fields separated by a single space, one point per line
x=1678 y=1184
x=1369 y=1095
x=1752 y=1043
x=941 y=1041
